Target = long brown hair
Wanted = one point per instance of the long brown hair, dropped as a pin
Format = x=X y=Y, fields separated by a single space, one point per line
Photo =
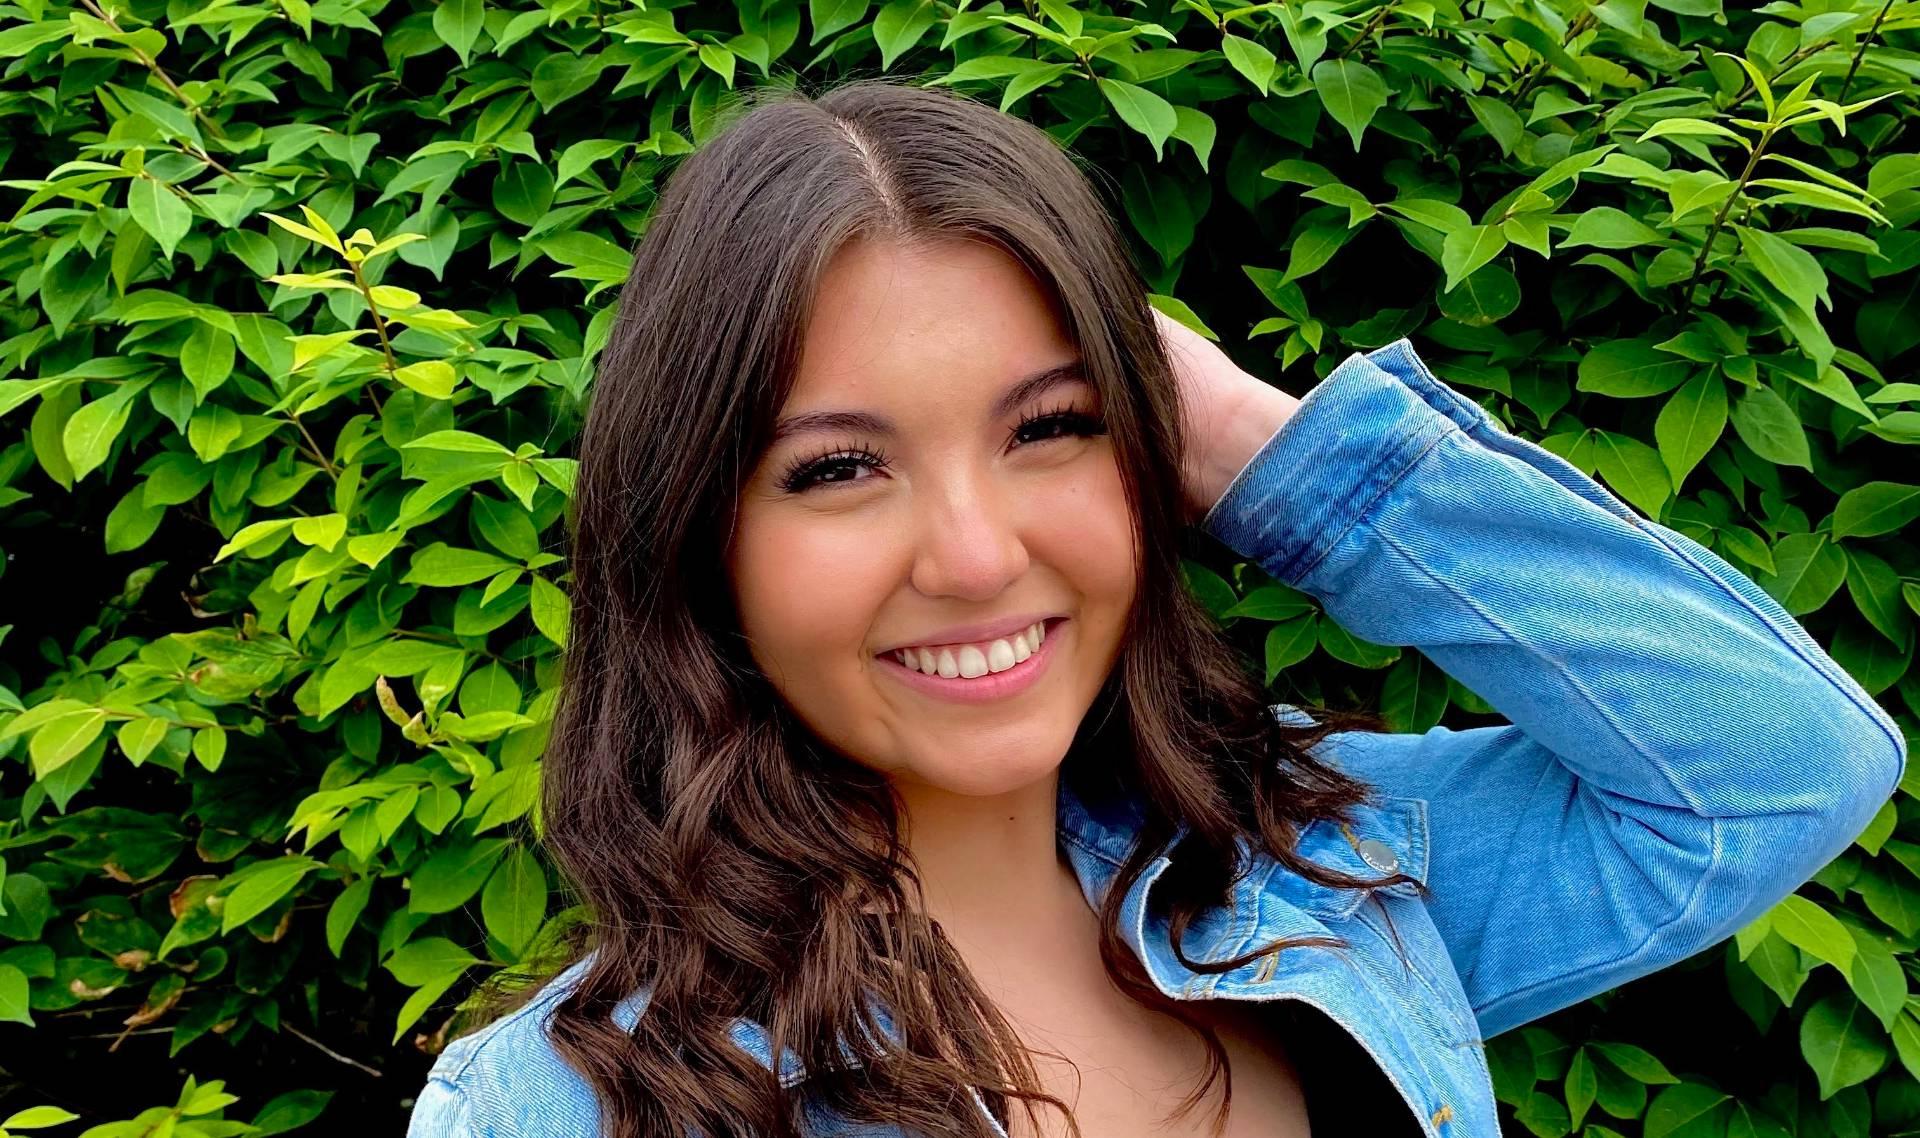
x=731 y=864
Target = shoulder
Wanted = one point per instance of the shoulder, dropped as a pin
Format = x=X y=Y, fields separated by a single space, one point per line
x=507 y=1080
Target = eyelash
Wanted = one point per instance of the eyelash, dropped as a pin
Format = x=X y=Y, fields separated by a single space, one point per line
x=802 y=474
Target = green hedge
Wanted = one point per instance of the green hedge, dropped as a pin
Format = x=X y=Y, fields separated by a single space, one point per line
x=299 y=303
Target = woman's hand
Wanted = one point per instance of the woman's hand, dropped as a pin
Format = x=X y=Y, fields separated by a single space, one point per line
x=1227 y=415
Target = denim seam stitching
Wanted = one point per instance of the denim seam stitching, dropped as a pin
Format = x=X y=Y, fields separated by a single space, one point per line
x=1715 y=865
x=1488 y=432
x=1092 y=849
x=1849 y=687
x=1553 y=666
x=1297 y=573
x=1246 y=468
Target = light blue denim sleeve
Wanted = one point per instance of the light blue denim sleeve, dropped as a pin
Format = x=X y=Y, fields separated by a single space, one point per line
x=441 y=1110
x=1681 y=753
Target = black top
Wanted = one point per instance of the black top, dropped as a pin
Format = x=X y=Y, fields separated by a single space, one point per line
x=1346 y=1091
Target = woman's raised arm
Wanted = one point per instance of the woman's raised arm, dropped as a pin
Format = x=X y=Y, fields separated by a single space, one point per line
x=1681 y=753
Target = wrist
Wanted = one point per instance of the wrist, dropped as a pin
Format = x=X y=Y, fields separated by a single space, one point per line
x=1262 y=410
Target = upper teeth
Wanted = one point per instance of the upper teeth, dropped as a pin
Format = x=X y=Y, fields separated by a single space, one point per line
x=971 y=660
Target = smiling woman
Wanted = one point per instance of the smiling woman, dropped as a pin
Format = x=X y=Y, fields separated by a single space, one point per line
x=911 y=792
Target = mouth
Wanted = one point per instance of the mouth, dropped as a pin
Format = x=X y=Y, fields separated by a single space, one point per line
x=991 y=685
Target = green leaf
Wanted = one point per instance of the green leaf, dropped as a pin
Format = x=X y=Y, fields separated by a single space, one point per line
x=1809 y=569
x=1351 y=92
x=345 y=912
x=444 y=565
x=1786 y=266
x=577 y=158
x=718 y=60
x=1465 y=250
x=1251 y=59
x=15 y=1009
x=1635 y=471
x=1690 y=424
x=1609 y=228
x=830 y=16
x=550 y=610
x=453 y=875
x=459 y=23
x=899 y=25
x=514 y=903
x=423 y=961
x=1629 y=369
x=1678 y=1110
x=1290 y=642
x=261 y=886
x=1842 y=1043
x=90 y=432
x=1636 y=1063
x=1812 y=929
x=432 y=378
x=1142 y=110
x=158 y=210
x=1877 y=978
x=1770 y=428
x=1875 y=508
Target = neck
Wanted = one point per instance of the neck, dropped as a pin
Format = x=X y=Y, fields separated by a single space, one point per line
x=989 y=867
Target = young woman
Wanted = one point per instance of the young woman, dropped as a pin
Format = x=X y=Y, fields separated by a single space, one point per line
x=912 y=794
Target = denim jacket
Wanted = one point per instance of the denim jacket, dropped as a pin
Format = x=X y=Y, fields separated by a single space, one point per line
x=1679 y=755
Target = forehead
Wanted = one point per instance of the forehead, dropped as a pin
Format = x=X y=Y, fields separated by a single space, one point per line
x=891 y=320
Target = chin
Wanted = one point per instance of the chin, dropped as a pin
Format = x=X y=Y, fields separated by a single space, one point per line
x=987 y=780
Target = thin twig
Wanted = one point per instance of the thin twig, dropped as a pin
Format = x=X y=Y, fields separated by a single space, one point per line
x=160 y=73
x=1378 y=17
x=328 y=1051
x=1719 y=219
x=1861 y=53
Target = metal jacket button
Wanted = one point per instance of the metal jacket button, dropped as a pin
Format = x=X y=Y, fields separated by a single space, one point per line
x=1379 y=855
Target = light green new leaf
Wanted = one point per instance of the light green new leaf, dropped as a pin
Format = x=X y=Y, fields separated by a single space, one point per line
x=1250 y=58
x=432 y=378
x=1812 y=929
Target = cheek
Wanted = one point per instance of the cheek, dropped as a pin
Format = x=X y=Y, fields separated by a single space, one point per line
x=1091 y=539
x=806 y=593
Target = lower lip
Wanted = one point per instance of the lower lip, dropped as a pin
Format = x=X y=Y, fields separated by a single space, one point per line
x=982 y=689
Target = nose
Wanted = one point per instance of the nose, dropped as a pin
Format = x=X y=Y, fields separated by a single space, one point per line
x=967 y=539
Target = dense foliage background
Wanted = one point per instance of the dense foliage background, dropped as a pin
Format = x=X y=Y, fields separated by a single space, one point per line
x=299 y=302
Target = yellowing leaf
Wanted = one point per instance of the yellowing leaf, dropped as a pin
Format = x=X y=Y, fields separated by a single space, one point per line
x=393 y=296
x=432 y=378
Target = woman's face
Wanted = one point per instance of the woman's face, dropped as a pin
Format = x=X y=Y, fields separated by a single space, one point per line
x=941 y=482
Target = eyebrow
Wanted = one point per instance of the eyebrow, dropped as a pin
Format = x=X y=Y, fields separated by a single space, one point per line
x=866 y=422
